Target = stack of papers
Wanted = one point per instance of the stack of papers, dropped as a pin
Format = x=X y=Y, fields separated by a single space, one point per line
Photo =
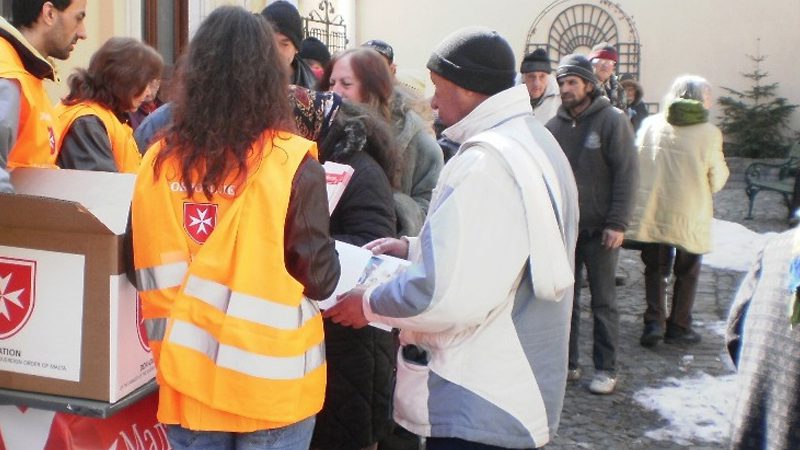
x=361 y=267
x=337 y=176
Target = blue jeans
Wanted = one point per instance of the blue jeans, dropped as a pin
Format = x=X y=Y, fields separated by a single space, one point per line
x=292 y=437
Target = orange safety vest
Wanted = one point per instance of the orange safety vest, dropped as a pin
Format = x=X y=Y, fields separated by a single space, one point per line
x=237 y=346
x=38 y=133
x=123 y=146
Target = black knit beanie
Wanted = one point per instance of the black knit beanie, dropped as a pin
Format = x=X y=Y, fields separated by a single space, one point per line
x=313 y=48
x=536 y=61
x=286 y=20
x=577 y=65
x=475 y=58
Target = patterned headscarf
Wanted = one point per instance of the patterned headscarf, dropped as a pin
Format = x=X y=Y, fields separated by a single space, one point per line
x=314 y=111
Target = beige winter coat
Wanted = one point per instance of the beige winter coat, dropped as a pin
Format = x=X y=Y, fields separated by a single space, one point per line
x=680 y=168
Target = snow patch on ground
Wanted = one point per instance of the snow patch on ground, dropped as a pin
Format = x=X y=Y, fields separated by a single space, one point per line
x=697 y=408
x=735 y=247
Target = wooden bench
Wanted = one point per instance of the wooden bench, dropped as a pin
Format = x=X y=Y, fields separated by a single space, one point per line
x=775 y=177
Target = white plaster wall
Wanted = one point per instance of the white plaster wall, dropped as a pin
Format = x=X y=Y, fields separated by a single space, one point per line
x=706 y=37
x=199 y=9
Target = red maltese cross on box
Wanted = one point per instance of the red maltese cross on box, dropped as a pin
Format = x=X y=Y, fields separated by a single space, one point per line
x=17 y=294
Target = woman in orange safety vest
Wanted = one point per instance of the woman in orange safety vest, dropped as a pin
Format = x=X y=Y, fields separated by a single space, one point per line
x=231 y=245
x=93 y=117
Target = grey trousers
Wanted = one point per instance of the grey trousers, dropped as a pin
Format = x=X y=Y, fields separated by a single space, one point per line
x=601 y=266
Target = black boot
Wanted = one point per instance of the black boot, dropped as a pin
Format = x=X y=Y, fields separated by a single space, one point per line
x=652 y=334
x=681 y=336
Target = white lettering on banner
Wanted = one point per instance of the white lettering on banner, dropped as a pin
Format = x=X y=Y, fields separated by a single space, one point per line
x=227 y=189
x=24 y=429
x=148 y=439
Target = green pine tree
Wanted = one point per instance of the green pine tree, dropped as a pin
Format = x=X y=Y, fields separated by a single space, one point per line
x=755 y=118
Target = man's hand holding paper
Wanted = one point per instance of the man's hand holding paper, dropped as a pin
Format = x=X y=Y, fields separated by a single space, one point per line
x=349 y=309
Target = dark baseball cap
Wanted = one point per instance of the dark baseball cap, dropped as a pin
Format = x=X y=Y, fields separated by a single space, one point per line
x=381 y=47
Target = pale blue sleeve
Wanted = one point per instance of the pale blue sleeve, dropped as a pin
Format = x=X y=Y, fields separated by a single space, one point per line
x=9 y=125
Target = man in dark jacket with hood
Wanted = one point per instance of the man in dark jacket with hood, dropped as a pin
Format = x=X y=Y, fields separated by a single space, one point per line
x=604 y=58
x=598 y=141
x=288 y=27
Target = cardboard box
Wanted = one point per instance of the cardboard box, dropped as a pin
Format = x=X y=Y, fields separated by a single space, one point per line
x=70 y=322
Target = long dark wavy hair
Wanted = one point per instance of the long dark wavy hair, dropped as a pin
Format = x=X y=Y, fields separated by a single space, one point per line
x=119 y=71
x=231 y=88
x=371 y=70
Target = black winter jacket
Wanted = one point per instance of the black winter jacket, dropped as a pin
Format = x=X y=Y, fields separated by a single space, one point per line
x=358 y=401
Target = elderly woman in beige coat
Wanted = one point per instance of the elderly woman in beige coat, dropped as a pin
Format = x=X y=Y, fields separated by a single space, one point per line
x=681 y=165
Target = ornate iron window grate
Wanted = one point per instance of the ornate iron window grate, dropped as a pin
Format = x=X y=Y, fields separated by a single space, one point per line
x=327 y=27
x=580 y=26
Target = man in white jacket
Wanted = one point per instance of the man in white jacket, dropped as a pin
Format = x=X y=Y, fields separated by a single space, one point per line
x=484 y=308
x=542 y=87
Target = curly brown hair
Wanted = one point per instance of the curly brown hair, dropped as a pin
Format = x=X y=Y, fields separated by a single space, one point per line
x=231 y=89
x=118 y=72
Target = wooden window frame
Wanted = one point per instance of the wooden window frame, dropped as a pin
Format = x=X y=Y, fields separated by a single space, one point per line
x=180 y=30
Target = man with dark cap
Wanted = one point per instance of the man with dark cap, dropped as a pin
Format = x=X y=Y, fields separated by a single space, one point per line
x=484 y=307
x=598 y=141
x=385 y=50
x=288 y=27
x=315 y=53
x=604 y=59
x=542 y=87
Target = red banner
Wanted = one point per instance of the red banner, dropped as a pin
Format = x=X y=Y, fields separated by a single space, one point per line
x=134 y=428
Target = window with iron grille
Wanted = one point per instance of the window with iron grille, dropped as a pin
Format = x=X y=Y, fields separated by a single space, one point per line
x=325 y=25
x=580 y=26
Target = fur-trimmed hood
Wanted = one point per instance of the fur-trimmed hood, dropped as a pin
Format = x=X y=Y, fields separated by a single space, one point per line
x=347 y=135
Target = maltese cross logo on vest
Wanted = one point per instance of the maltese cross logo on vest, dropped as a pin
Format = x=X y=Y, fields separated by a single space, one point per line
x=199 y=220
x=52 y=140
x=17 y=297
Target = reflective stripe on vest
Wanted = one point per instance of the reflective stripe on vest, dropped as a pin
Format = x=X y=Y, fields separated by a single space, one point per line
x=164 y=276
x=238 y=339
x=155 y=328
x=248 y=363
x=248 y=307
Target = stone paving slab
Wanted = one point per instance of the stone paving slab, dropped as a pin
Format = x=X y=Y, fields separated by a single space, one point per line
x=617 y=421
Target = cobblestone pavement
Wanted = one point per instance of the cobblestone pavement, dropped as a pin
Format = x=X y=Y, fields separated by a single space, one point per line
x=617 y=421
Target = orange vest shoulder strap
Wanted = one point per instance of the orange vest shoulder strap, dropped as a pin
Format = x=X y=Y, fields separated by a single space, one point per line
x=38 y=134
x=123 y=146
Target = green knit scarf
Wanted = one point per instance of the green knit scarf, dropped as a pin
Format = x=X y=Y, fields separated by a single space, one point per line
x=683 y=112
